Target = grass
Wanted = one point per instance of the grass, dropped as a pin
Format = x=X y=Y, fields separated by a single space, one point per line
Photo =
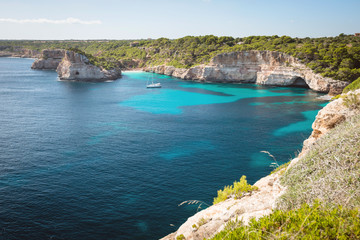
x=330 y=171
x=238 y=190
x=352 y=101
x=307 y=222
x=352 y=86
x=281 y=169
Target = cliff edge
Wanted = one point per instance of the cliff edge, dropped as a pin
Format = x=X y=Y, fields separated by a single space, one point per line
x=209 y=222
x=77 y=67
x=260 y=67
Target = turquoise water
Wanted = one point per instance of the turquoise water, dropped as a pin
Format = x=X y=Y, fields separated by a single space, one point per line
x=113 y=160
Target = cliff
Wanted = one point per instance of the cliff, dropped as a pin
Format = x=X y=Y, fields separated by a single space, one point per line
x=260 y=67
x=329 y=117
x=208 y=222
x=50 y=59
x=77 y=67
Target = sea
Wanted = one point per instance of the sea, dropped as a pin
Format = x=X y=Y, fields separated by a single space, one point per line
x=114 y=160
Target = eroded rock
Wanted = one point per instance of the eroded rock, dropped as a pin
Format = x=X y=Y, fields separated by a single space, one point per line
x=329 y=117
x=260 y=67
x=76 y=67
x=49 y=60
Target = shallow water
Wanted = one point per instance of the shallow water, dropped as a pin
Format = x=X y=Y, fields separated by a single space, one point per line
x=113 y=160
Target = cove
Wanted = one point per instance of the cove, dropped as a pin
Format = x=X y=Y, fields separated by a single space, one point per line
x=113 y=160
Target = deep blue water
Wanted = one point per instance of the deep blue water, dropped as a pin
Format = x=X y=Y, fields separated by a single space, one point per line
x=113 y=160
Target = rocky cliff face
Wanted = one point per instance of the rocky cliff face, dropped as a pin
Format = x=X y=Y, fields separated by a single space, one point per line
x=77 y=67
x=260 y=67
x=327 y=118
x=50 y=59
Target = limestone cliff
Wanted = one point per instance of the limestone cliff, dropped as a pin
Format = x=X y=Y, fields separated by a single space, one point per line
x=49 y=59
x=77 y=67
x=327 y=118
x=260 y=67
x=260 y=203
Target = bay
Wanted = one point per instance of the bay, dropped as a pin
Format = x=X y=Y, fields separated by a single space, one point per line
x=113 y=160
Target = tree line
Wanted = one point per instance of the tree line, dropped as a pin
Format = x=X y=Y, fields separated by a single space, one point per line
x=336 y=57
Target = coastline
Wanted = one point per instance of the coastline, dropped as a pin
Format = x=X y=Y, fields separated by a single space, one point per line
x=271 y=188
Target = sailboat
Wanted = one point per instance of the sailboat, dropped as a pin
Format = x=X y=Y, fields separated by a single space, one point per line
x=152 y=84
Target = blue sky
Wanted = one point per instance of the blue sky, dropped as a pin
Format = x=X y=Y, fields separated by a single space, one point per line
x=135 y=19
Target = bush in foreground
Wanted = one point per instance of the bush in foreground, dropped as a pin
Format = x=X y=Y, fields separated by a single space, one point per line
x=238 y=189
x=308 y=222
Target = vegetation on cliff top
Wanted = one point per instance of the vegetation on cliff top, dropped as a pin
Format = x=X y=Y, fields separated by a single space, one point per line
x=97 y=61
x=335 y=57
x=352 y=86
x=329 y=171
x=307 y=222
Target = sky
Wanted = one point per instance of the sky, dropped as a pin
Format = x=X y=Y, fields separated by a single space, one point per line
x=141 y=19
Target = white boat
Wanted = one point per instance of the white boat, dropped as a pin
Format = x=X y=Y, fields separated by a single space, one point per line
x=152 y=84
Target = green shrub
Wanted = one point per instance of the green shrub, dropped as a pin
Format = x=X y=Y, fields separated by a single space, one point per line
x=180 y=237
x=307 y=222
x=352 y=86
x=336 y=97
x=238 y=189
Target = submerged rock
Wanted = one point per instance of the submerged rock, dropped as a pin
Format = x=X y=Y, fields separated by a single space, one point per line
x=77 y=67
x=50 y=59
x=260 y=67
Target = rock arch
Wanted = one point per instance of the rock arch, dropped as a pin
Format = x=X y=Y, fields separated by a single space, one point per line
x=299 y=82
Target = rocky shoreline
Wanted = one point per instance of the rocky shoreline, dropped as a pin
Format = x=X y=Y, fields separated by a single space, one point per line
x=263 y=201
x=259 y=67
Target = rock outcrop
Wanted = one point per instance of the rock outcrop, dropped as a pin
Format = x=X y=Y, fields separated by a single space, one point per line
x=327 y=118
x=76 y=67
x=260 y=67
x=50 y=59
x=212 y=220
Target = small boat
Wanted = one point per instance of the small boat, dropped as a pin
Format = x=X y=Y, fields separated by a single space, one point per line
x=152 y=84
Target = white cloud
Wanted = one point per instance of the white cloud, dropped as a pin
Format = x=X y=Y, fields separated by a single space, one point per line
x=69 y=20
